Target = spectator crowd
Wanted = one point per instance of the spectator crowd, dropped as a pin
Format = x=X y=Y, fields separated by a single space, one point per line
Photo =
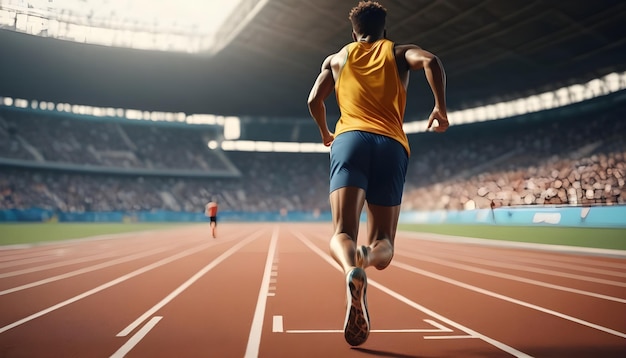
x=557 y=159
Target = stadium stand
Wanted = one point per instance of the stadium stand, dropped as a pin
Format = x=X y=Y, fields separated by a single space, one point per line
x=567 y=156
x=563 y=157
x=58 y=138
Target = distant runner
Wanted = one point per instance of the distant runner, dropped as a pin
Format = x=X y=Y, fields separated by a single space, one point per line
x=211 y=212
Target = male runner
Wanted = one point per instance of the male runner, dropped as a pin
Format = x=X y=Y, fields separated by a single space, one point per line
x=369 y=149
x=211 y=212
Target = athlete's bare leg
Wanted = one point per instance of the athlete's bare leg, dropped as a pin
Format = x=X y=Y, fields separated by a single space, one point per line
x=213 y=229
x=346 y=204
x=382 y=223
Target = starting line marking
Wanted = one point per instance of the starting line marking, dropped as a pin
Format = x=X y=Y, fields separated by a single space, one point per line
x=448 y=337
x=408 y=330
x=277 y=326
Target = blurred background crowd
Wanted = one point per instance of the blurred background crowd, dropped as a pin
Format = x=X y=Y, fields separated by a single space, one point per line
x=73 y=164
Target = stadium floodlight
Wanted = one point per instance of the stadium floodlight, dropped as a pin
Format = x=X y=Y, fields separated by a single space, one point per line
x=602 y=86
x=286 y=147
x=20 y=103
x=610 y=83
x=232 y=128
x=166 y=25
x=212 y=144
x=262 y=146
x=314 y=148
x=245 y=145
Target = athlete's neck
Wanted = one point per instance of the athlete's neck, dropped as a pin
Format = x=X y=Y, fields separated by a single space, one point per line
x=369 y=38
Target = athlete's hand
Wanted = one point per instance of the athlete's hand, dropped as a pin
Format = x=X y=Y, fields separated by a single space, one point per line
x=442 y=120
x=328 y=138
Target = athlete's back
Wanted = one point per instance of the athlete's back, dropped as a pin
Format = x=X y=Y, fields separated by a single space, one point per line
x=370 y=93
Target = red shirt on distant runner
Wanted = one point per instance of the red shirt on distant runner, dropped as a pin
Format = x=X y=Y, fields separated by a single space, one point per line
x=211 y=209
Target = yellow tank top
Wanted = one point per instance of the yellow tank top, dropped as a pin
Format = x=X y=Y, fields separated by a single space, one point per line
x=369 y=92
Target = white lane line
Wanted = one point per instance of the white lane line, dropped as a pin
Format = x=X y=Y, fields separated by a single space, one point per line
x=41 y=257
x=503 y=243
x=106 y=285
x=62 y=263
x=568 y=266
x=43 y=251
x=254 y=340
x=471 y=332
x=277 y=324
x=545 y=271
x=577 y=262
x=440 y=326
x=507 y=298
x=401 y=298
x=87 y=269
x=136 y=338
x=87 y=256
x=509 y=276
x=186 y=284
x=448 y=337
x=54 y=246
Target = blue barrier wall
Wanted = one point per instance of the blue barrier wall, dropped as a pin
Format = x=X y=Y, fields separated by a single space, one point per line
x=42 y=215
x=596 y=216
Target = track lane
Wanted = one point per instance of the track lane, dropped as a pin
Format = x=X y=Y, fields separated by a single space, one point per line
x=583 y=339
x=533 y=290
x=39 y=300
x=127 y=288
x=446 y=335
x=211 y=316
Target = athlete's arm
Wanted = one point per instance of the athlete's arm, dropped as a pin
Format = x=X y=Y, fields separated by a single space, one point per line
x=418 y=58
x=322 y=88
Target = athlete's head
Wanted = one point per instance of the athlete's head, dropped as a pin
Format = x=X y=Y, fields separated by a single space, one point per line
x=368 y=19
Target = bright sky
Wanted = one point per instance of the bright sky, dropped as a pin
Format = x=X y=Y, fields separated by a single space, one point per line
x=170 y=25
x=205 y=15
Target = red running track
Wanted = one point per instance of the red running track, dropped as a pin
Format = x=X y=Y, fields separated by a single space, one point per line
x=272 y=290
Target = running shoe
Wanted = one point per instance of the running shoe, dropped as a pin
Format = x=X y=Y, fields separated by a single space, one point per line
x=357 y=324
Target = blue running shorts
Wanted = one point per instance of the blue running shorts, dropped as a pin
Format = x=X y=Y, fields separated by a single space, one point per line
x=372 y=162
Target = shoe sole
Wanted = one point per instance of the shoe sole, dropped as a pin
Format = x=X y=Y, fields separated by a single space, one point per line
x=357 y=324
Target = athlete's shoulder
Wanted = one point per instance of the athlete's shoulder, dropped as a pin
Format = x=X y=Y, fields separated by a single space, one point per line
x=401 y=51
x=403 y=48
x=337 y=57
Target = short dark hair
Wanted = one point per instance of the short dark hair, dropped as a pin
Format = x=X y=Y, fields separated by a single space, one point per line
x=368 y=18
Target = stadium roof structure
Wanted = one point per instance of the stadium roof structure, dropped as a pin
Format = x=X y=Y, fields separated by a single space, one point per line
x=492 y=51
